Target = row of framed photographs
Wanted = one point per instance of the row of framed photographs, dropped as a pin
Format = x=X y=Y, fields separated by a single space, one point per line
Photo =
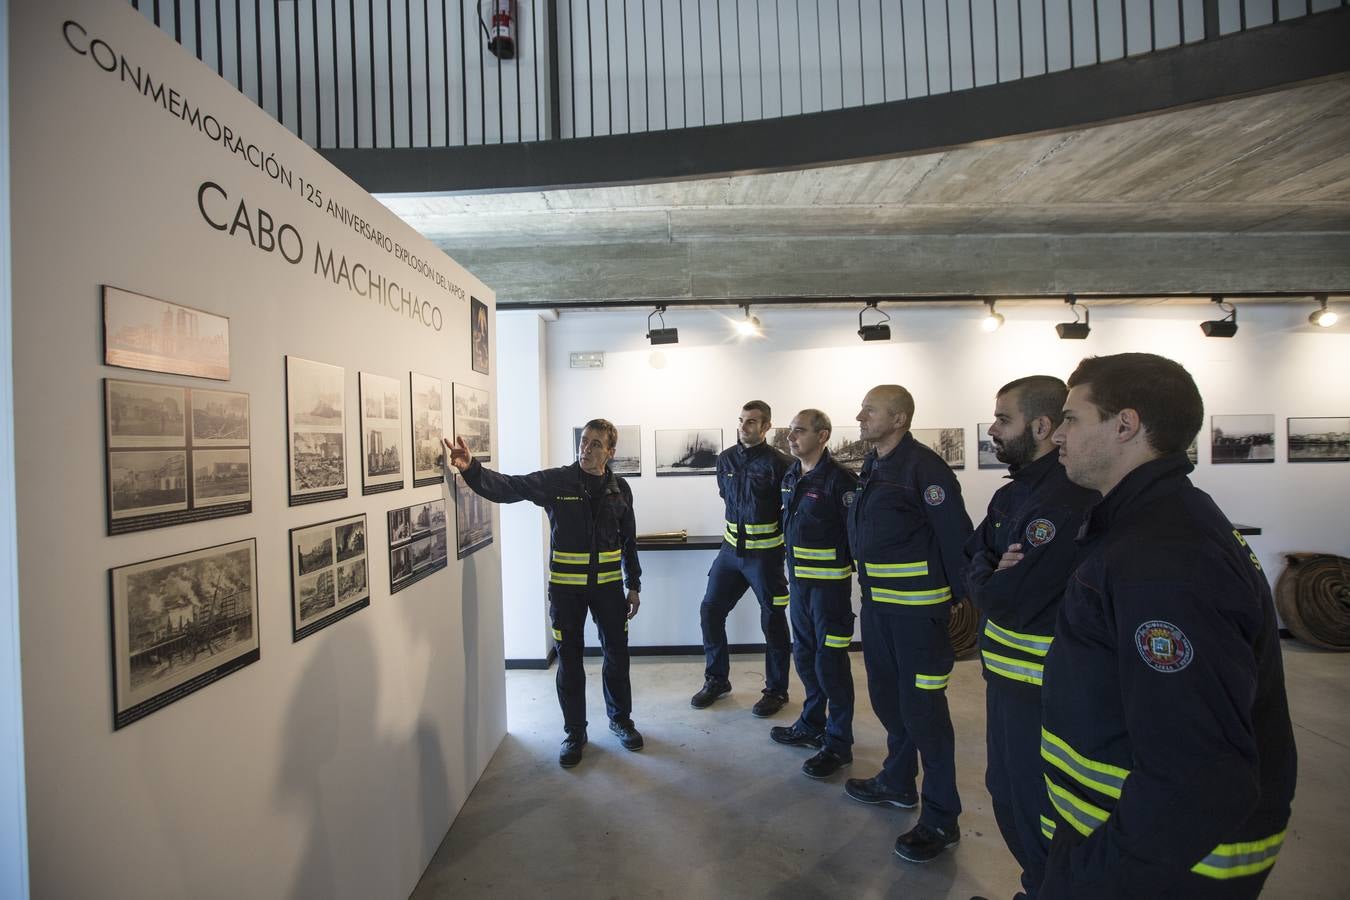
x=184 y=621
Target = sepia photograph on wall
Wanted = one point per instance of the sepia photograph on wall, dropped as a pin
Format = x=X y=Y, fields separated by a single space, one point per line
x=140 y=332
x=1319 y=439
x=316 y=431
x=174 y=455
x=417 y=543
x=428 y=428
x=479 y=344
x=180 y=623
x=473 y=420
x=627 y=459
x=1242 y=439
x=687 y=451
x=381 y=404
x=985 y=453
x=473 y=520
x=948 y=443
x=329 y=576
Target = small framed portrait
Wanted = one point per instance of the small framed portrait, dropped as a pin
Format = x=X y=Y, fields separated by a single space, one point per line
x=478 y=335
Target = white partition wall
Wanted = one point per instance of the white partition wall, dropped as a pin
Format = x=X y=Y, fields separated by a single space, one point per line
x=333 y=765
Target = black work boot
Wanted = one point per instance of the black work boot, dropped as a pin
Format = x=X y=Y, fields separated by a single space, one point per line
x=569 y=754
x=871 y=790
x=795 y=735
x=628 y=735
x=826 y=763
x=711 y=690
x=923 y=843
x=770 y=703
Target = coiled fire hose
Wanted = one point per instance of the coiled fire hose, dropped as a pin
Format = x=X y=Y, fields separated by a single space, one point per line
x=964 y=628
x=1312 y=596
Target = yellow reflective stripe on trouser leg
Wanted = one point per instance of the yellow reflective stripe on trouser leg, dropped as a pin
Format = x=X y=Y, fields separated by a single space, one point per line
x=557 y=635
x=1243 y=858
x=896 y=570
x=1035 y=644
x=567 y=577
x=607 y=577
x=822 y=553
x=563 y=556
x=931 y=682
x=911 y=598
x=609 y=556
x=838 y=641
x=1014 y=669
x=780 y=599
x=822 y=573
x=1083 y=816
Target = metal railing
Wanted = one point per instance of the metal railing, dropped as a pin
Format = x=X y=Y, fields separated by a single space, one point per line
x=416 y=73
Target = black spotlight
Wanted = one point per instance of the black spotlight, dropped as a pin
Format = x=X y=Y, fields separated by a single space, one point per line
x=662 y=335
x=1221 y=328
x=879 y=331
x=1075 y=330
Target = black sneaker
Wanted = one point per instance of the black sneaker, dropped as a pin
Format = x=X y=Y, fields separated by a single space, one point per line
x=711 y=690
x=628 y=735
x=923 y=843
x=768 y=704
x=795 y=735
x=569 y=754
x=871 y=790
x=826 y=763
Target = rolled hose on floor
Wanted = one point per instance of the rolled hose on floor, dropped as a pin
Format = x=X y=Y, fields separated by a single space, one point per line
x=1312 y=596
x=964 y=628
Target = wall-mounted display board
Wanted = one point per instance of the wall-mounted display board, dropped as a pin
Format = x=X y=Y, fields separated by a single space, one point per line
x=687 y=451
x=627 y=459
x=428 y=428
x=948 y=443
x=329 y=576
x=174 y=455
x=479 y=345
x=140 y=332
x=179 y=623
x=1319 y=439
x=986 y=455
x=316 y=430
x=417 y=543
x=473 y=420
x=381 y=433
x=846 y=445
x=1242 y=439
x=473 y=519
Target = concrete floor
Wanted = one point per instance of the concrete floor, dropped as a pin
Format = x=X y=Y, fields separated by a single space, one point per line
x=712 y=808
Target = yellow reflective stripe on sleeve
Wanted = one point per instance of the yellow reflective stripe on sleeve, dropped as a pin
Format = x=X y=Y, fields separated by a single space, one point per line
x=567 y=577
x=780 y=600
x=825 y=553
x=608 y=556
x=1035 y=644
x=607 y=577
x=1083 y=816
x=911 y=598
x=1236 y=860
x=557 y=634
x=1101 y=777
x=562 y=556
x=753 y=528
x=1014 y=669
x=825 y=574
x=932 y=682
x=1048 y=828
x=838 y=641
x=896 y=570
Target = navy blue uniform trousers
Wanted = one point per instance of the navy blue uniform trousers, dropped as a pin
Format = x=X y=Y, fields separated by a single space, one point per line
x=901 y=652
x=1013 y=776
x=608 y=606
x=728 y=580
x=820 y=609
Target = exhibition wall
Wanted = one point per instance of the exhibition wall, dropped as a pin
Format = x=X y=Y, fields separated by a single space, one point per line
x=1278 y=364
x=354 y=705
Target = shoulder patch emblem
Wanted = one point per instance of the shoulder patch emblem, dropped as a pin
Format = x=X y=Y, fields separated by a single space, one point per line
x=933 y=495
x=1040 y=531
x=1163 y=646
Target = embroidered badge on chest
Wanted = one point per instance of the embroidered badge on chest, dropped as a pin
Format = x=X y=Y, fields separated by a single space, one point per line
x=850 y=497
x=1040 y=531
x=1163 y=646
x=933 y=495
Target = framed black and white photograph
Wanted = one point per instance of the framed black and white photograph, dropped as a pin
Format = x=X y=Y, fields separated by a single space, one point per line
x=473 y=420
x=316 y=430
x=848 y=448
x=381 y=433
x=140 y=332
x=428 y=428
x=1193 y=450
x=1242 y=439
x=413 y=532
x=180 y=623
x=479 y=347
x=1319 y=439
x=328 y=574
x=174 y=455
x=473 y=520
x=985 y=453
x=687 y=451
x=948 y=443
x=627 y=459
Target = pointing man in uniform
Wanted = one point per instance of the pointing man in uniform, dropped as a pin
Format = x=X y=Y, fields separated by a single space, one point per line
x=748 y=479
x=816 y=494
x=1021 y=557
x=590 y=514
x=907 y=529
x=1168 y=755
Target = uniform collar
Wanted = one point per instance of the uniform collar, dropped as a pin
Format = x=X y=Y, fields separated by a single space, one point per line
x=1155 y=477
x=820 y=466
x=1037 y=469
x=752 y=452
x=611 y=482
x=898 y=452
